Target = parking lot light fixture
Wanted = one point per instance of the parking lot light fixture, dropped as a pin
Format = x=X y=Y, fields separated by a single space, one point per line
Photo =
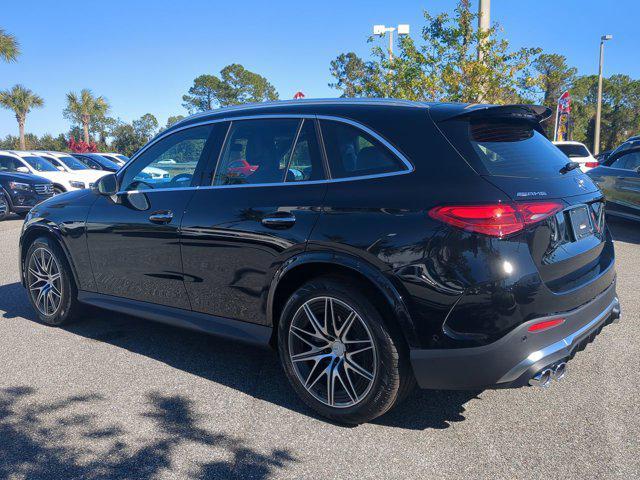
x=382 y=30
x=596 y=136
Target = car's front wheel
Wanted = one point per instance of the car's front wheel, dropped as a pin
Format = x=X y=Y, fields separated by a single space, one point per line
x=4 y=207
x=49 y=282
x=339 y=355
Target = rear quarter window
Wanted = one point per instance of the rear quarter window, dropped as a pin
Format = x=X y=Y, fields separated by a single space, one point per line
x=351 y=152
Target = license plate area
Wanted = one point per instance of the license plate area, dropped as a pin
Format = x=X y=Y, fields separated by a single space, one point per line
x=580 y=221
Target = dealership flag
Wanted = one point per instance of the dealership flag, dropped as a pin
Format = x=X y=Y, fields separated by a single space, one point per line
x=563 y=115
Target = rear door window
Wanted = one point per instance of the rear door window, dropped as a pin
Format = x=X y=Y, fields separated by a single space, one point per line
x=268 y=151
x=352 y=152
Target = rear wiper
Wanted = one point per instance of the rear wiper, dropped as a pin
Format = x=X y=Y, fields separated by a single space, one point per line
x=568 y=167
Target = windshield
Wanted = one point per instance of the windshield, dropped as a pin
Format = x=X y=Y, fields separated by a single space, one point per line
x=40 y=164
x=73 y=163
x=106 y=162
x=573 y=151
x=122 y=158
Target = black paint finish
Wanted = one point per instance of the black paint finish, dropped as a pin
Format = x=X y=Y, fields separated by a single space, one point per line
x=446 y=288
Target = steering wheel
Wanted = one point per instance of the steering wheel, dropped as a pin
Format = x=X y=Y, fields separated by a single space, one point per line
x=181 y=178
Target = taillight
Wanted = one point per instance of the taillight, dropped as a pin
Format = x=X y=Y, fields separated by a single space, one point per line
x=591 y=164
x=496 y=220
x=545 y=325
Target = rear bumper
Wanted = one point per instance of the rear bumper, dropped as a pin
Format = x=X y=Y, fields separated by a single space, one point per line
x=512 y=360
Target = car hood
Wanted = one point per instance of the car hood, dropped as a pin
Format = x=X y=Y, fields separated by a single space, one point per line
x=87 y=175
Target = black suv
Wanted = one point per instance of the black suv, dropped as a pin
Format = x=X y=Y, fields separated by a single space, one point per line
x=19 y=192
x=375 y=244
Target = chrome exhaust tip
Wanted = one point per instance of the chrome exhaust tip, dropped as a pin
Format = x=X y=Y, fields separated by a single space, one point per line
x=560 y=371
x=616 y=314
x=542 y=379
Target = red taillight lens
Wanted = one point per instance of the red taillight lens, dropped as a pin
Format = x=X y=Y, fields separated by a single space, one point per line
x=496 y=220
x=540 y=326
x=591 y=164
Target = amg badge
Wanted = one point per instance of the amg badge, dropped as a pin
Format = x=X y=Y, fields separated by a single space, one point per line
x=531 y=194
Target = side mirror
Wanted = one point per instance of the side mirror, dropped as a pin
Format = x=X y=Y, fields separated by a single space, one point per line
x=107 y=185
x=22 y=170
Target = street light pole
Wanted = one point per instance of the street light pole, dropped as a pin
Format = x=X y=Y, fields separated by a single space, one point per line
x=596 y=136
x=382 y=30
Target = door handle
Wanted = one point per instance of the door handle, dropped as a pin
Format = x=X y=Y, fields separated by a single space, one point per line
x=275 y=221
x=162 y=216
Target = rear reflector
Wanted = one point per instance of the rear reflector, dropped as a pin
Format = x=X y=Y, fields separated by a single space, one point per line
x=540 y=326
x=496 y=220
x=591 y=164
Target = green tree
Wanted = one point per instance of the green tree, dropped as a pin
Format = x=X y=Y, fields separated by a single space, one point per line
x=552 y=78
x=82 y=108
x=145 y=127
x=21 y=100
x=173 y=119
x=443 y=66
x=9 y=47
x=620 y=109
x=125 y=139
x=236 y=85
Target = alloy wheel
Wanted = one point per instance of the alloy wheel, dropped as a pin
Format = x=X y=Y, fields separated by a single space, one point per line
x=332 y=352
x=45 y=281
x=4 y=206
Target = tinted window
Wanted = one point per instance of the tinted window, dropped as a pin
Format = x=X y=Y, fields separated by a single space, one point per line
x=92 y=164
x=258 y=152
x=573 y=151
x=9 y=164
x=40 y=164
x=169 y=163
x=72 y=163
x=514 y=149
x=629 y=161
x=353 y=153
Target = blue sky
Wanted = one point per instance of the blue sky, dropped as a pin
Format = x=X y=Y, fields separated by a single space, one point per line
x=143 y=55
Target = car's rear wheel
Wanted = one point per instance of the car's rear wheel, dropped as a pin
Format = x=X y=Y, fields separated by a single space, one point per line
x=338 y=354
x=4 y=207
x=50 y=285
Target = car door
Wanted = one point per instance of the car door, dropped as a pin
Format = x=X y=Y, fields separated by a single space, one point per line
x=620 y=182
x=237 y=231
x=133 y=236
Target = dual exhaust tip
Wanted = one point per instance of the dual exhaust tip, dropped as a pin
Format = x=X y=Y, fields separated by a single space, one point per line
x=544 y=377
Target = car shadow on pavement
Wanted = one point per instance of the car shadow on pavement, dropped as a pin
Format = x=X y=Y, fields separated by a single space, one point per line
x=252 y=370
x=51 y=440
x=623 y=230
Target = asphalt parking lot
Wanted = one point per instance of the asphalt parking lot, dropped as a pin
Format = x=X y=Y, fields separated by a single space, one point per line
x=118 y=397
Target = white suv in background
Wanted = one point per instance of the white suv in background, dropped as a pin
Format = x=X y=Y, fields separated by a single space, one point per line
x=27 y=162
x=579 y=153
x=72 y=165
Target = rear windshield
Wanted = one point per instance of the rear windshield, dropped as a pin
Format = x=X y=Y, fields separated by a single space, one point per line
x=573 y=151
x=508 y=148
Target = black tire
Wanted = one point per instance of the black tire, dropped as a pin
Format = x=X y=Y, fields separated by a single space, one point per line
x=5 y=210
x=393 y=378
x=58 y=190
x=69 y=308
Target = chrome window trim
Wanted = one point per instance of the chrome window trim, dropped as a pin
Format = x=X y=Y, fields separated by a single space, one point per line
x=408 y=165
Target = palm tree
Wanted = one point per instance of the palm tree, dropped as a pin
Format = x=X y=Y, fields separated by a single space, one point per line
x=82 y=108
x=9 y=48
x=21 y=100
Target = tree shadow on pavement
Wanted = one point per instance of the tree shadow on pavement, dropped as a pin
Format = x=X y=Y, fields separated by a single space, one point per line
x=252 y=370
x=51 y=441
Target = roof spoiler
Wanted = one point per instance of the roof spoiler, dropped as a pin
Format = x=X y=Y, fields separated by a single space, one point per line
x=531 y=113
